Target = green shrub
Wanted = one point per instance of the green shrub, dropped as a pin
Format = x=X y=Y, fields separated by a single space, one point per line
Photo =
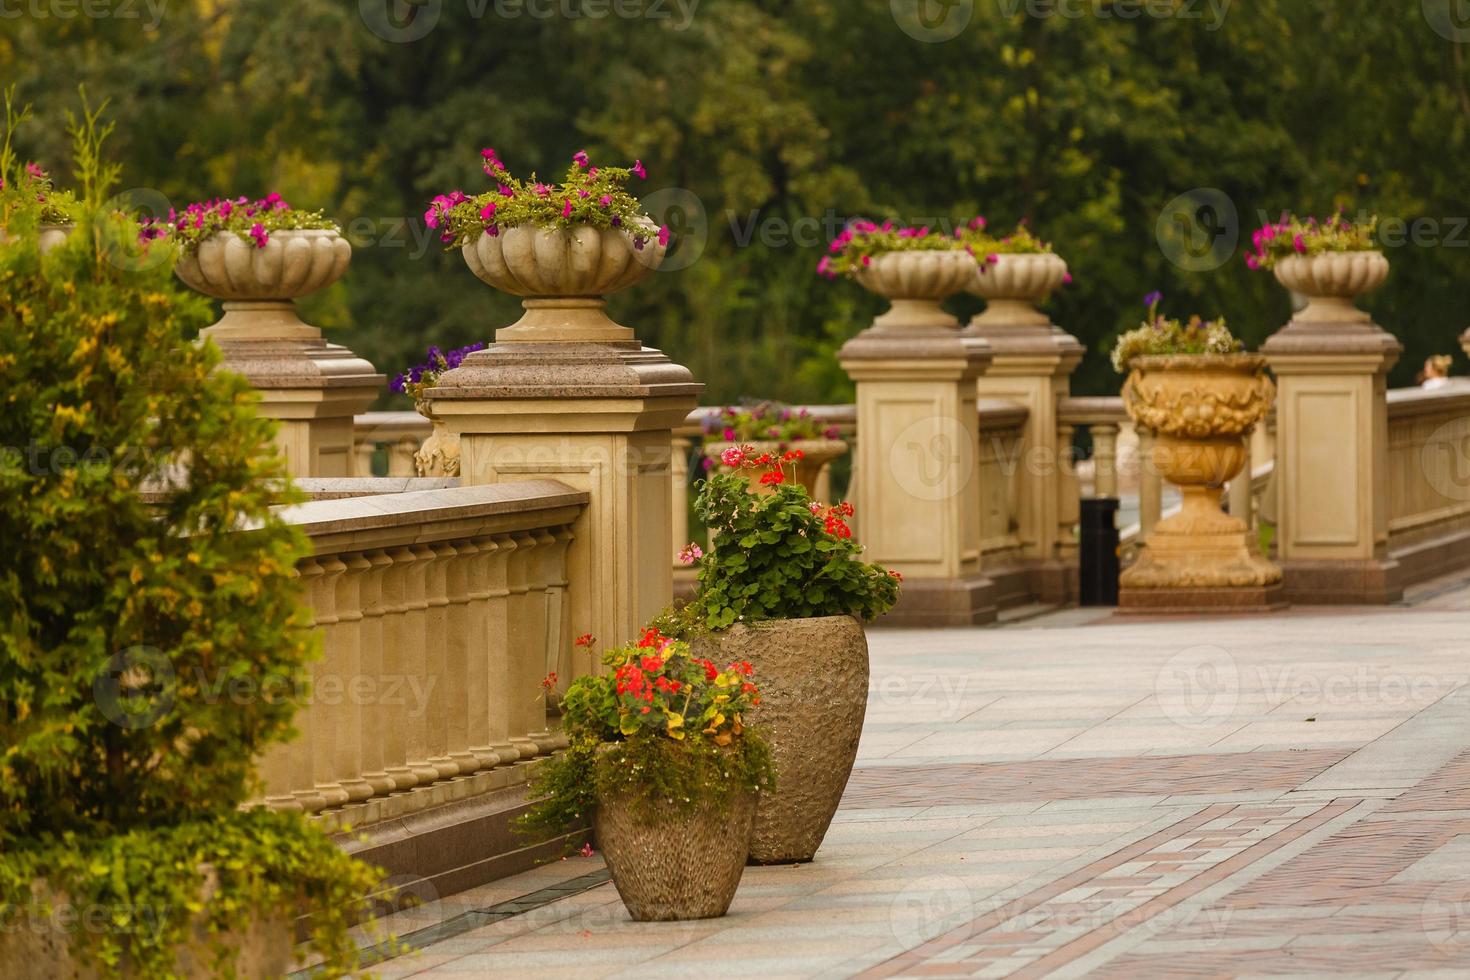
x=124 y=759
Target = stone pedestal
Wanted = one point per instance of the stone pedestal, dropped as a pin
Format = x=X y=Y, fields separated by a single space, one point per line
x=1032 y=363
x=1332 y=460
x=311 y=387
x=917 y=468
x=598 y=417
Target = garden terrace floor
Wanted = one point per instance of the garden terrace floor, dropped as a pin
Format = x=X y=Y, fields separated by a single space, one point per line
x=1075 y=793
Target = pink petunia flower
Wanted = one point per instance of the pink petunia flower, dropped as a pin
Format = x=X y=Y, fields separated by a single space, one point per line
x=488 y=211
x=638 y=169
x=566 y=212
x=258 y=232
x=663 y=235
x=580 y=158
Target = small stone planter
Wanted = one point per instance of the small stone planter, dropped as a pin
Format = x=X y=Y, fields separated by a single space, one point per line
x=1201 y=407
x=1013 y=285
x=564 y=275
x=1331 y=282
x=916 y=283
x=439 y=454
x=51 y=236
x=672 y=865
x=813 y=675
x=816 y=454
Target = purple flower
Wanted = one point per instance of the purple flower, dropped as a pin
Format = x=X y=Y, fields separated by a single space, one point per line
x=1153 y=299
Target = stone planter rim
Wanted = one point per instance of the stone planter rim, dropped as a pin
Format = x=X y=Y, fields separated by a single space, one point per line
x=1241 y=363
x=715 y=447
x=652 y=247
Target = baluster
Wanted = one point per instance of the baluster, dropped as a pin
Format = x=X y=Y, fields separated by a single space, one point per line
x=362 y=457
x=397 y=639
x=542 y=612
x=377 y=633
x=496 y=649
x=400 y=456
x=303 y=750
x=679 y=475
x=522 y=681
x=1240 y=491
x=349 y=759
x=444 y=674
x=325 y=704
x=464 y=659
x=1068 y=493
x=1105 y=458
x=415 y=666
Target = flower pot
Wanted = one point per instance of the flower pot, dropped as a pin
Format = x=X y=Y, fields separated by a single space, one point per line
x=1201 y=407
x=813 y=675
x=259 y=284
x=816 y=454
x=51 y=236
x=563 y=275
x=916 y=283
x=438 y=455
x=41 y=942
x=1330 y=282
x=670 y=864
x=1013 y=285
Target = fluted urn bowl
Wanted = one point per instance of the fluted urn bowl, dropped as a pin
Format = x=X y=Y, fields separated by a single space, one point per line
x=1330 y=281
x=916 y=283
x=290 y=265
x=563 y=275
x=1201 y=408
x=1014 y=284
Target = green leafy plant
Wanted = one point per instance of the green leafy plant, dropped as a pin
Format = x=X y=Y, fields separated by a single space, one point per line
x=983 y=245
x=661 y=728
x=862 y=241
x=1311 y=236
x=588 y=195
x=27 y=189
x=1159 y=336
x=768 y=422
x=251 y=221
x=779 y=554
x=123 y=768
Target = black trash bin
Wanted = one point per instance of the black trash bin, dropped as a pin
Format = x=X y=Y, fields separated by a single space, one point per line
x=1098 y=579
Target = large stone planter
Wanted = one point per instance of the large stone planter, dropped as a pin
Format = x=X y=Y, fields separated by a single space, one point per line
x=439 y=454
x=1202 y=408
x=42 y=945
x=916 y=283
x=1330 y=282
x=816 y=454
x=671 y=865
x=259 y=284
x=1012 y=287
x=813 y=675
x=564 y=275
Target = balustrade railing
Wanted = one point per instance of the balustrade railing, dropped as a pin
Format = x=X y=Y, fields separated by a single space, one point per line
x=1002 y=467
x=397 y=434
x=440 y=612
x=1428 y=478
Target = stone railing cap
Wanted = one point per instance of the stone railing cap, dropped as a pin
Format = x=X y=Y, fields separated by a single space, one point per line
x=430 y=506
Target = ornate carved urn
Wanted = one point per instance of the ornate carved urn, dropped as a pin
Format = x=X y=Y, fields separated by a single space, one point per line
x=1201 y=408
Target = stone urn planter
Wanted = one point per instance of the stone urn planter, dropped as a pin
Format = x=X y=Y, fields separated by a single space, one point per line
x=814 y=696
x=259 y=285
x=439 y=454
x=564 y=275
x=51 y=236
x=916 y=283
x=1201 y=408
x=816 y=454
x=259 y=949
x=1331 y=282
x=1013 y=285
x=672 y=865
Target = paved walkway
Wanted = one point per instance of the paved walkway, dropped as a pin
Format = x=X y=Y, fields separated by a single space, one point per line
x=1276 y=796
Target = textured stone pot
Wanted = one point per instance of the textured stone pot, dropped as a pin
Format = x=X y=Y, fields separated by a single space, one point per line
x=38 y=945
x=1013 y=285
x=816 y=453
x=260 y=284
x=916 y=283
x=563 y=275
x=439 y=454
x=51 y=236
x=1330 y=282
x=1201 y=407
x=813 y=676
x=671 y=865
